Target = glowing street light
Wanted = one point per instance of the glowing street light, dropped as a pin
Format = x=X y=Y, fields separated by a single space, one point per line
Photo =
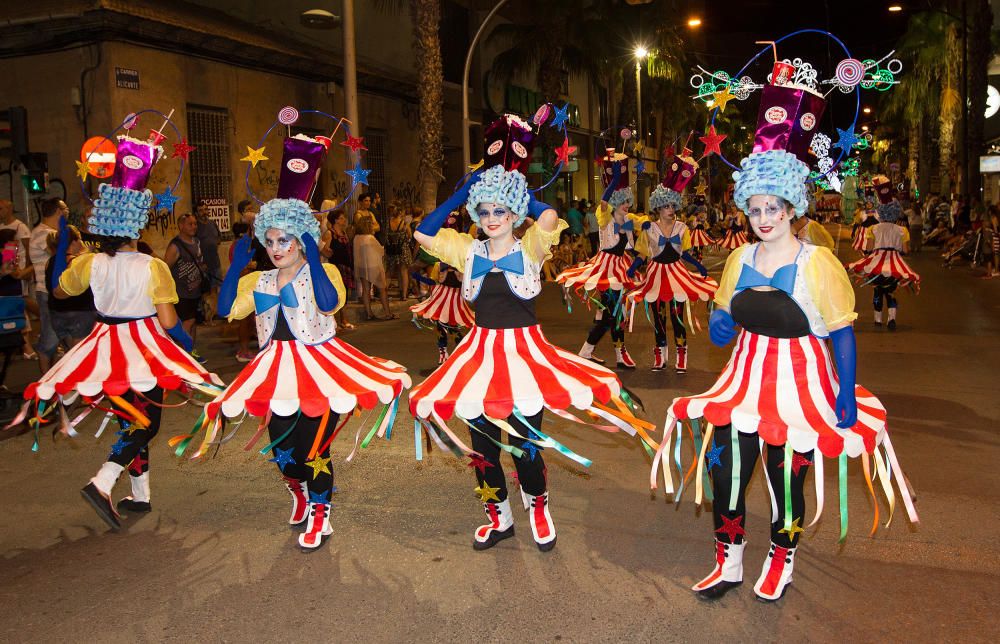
x=640 y=54
x=895 y=8
x=867 y=110
x=694 y=22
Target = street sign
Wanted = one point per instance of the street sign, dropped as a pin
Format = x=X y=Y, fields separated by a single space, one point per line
x=99 y=152
x=218 y=211
x=126 y=78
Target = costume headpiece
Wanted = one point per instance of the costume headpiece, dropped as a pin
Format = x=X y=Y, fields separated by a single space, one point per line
x=676 y=177
x=889 y=209
x=509 y=141
x=622 y=192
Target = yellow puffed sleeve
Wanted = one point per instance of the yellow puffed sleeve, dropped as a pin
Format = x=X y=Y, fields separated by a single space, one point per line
x=641 y=236
x=536 y=244
x=162 y=289
x=819 y=236
x=451 y=247
x=76 y=278
x=338 y=283
x=830 y=288
x=906 y=234
x=730 y=275
x=604 y=214
x=686 y=240
x=243 y=305
x=869 y=234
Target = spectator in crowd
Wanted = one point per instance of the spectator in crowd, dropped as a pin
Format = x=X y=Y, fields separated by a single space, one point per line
x=593 y=230
x=244 y=327
x=72 y=318
x=992 y=227
x=369 y=268
x=915 y=222
x=23 y=270
x=364 y=212
x=187 y=267
x=337 y=250
x=575 y=219
x=39 y=254
x=209 y=236
x=398 y=249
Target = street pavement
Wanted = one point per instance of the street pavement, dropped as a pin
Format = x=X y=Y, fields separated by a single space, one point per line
x=216 y=561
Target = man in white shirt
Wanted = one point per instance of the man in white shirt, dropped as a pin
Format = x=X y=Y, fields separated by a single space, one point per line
x=38 y=253
x=21 y=233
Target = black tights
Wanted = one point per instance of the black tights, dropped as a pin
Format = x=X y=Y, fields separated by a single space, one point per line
x=443 y=332
x=606 y=319
x=884 y=287
x=722 y=476
x=676 y=320
x=132 y=448
x=530 y=467
x=300 y=441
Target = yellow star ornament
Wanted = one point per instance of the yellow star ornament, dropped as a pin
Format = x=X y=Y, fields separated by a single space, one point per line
x=82 y=169
x=722 y=97
x=795 y=529
x=255 y=156
x=319 y=464
x=701 y=189
x=487 y=493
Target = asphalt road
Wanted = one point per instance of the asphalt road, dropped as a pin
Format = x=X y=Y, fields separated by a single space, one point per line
x=216 y=561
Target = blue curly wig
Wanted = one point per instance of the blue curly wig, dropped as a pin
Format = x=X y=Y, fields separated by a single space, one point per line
x=120 y=212
x=889 y=212
x=621 y=196
x=774 y=172
x=506 y=187
x=664 y=197
x=293 y=216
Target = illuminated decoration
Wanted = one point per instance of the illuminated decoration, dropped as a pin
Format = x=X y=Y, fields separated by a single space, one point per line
x=355 y=143
x=82 y=169
x=805 y=74
x=560 y=116
x=131 y=121
x=165 y=200
x=563 y=152
x=846 y=140
x=712 y=141
x=723 y=97
x=849 y=168
x=182 y=149
x=850 y=72
x=992 y=101
x=358 y=174
x=254 y=156
x=288 y=115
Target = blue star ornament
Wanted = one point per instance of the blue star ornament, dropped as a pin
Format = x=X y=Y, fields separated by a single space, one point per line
x=117 y=448
x=282 y=457
x=166 y=199
x=846 y=140
x=358 y=174
x=560 y=115
x=640 y=166
x=530 y=449
x=713 y=455
x=323 y=498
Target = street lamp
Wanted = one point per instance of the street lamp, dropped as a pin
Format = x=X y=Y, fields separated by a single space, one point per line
x=640 y=55
x=895 y=8
x=466 y=143
x=867 y=110
x=694 y=22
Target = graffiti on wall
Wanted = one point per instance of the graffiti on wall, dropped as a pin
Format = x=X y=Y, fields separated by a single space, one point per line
x=406 y=194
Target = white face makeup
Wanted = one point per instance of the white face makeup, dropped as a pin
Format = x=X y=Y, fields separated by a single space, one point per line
x=282 y=248
x=769 y=217
x=666 y=213
x=496 y=220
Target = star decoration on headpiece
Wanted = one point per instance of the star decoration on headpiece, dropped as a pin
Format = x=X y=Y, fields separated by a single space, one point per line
x=793 y=530
x=732 y=527
x=798 y=460
x=320 y=465
x=358 y=175
x=480 y=463
x=722 y=97
x=182 y=150
x=560 y=115
x=713 y=455
x=355 y=143
x=136 y=464
x=846 y=139
x=818 y=193
x=165 y=200
x=117 y=448
x=563 y=152
x=712 y=142
x=701 y=189
x=82 y=169
x=282 y=457
x=323 y=498
x=530 y=449
x=255 y=156
x=487 y=493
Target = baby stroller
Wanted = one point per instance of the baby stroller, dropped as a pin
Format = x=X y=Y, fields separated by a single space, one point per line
x=969 y=248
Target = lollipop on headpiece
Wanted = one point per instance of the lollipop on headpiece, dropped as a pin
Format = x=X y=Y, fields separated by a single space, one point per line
x=509 y=141
x=676 y=177
x=622 y=193
x=889 y=209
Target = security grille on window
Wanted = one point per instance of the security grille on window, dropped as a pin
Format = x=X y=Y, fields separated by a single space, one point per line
x=211 y=178
x=377 y=142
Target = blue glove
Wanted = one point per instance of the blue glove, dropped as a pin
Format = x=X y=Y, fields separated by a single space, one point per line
x=686 y=256
x=242 y=254
x=423 y=279
x=323 y=289
x=721 y=328
x=59 y=261
x=535 y=207
x=615 y=174
x=181 y=337
x=636 y=264
x=845 y=354
x=431 y=224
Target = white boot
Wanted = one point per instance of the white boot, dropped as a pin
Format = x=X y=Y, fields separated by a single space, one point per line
x=878 y=318
x=139 y=499
x=588 y=352
x=776 y=574
x=98 y=493
x=542 y=528
x=500 y=526
x=106 y=477
x=892 y=319
x=728 y=571
x=317 y=528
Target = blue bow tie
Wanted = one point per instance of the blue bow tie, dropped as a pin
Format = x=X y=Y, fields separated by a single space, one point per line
x=513 y=263
x=265 y=301
x=783 y=279
x=675 y=240
x=627 y=227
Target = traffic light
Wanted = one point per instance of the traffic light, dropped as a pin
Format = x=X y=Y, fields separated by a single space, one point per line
x=36 y=172
x=13 y=132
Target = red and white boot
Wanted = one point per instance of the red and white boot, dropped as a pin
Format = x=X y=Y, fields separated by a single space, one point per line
x=542 y=528
x=728 y=572
x=317 y=528
x=300 y=500
x=442 y=355
x=500 y=526
x=622 y=357
x=659 y=358
x=681 y=365
x=776 y=575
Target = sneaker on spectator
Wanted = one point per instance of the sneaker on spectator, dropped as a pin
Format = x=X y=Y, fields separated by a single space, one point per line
x=244 y=356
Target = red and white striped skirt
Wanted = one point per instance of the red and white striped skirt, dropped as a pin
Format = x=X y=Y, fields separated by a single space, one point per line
x=733 y=239
x=601 y=272
x=288 y=376
x=784 y=389
x=700 y=238
x=887 y=263
x=115 y=358
x=494 y=371
x=666 y=282
x=858 y=242
x=446 y=305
